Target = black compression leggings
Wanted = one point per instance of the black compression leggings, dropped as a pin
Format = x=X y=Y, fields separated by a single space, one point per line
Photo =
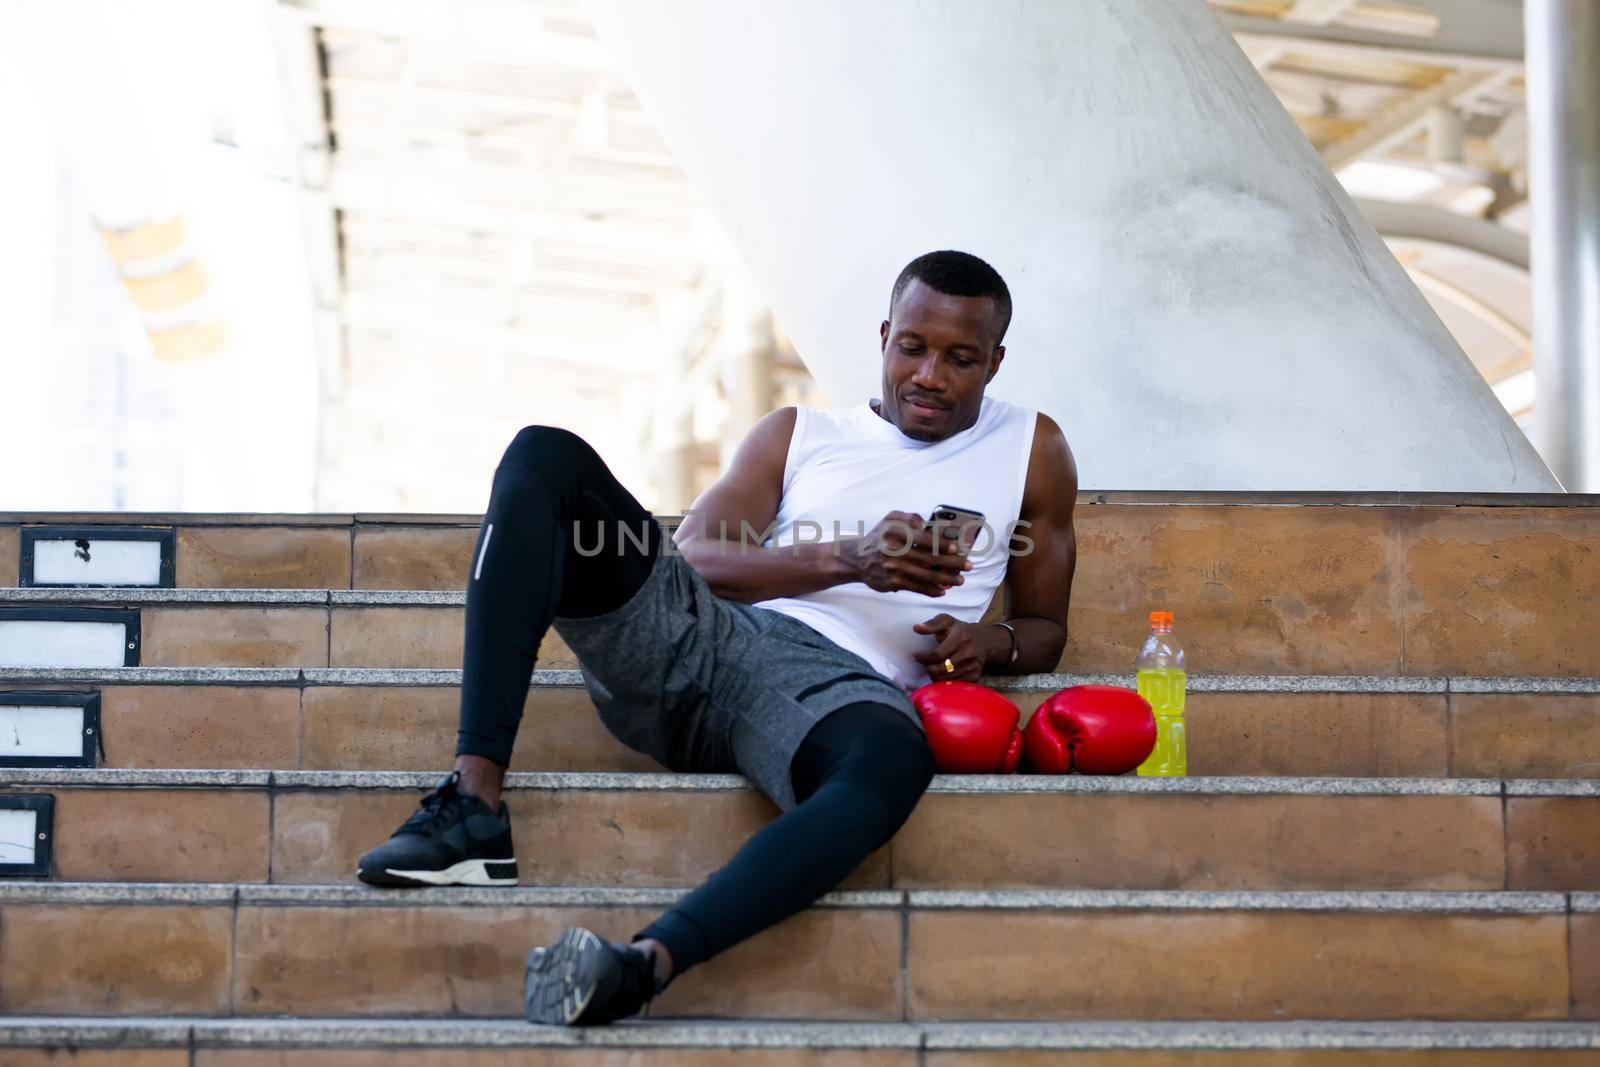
x=856 y=776
x=526 y=571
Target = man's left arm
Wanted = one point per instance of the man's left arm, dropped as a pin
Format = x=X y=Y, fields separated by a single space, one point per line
x=1037 y=588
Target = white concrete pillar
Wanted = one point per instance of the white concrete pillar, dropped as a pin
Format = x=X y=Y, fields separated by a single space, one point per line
x=670 y=441
x=1447 y=132
x=124 y=159
x=1197 y=300
x=746 y=341
x=1563 y=45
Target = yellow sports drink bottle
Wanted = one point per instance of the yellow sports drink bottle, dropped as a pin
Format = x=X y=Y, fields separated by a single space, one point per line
x=1162 y=682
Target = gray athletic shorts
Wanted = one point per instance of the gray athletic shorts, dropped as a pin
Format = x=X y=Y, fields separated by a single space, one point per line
x=706 y=684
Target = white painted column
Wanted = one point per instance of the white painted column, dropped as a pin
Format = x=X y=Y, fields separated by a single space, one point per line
x=1198 y=302
x=1563 y=44
x=746 y=341
x=305 y=101
x=670 y=441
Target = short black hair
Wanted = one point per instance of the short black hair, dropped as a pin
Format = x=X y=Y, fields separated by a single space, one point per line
x=956 y=274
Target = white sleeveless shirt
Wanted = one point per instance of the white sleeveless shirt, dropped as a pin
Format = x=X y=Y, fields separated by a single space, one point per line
x=848 y=467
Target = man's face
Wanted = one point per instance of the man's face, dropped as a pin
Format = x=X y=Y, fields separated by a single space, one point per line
x=939 y=352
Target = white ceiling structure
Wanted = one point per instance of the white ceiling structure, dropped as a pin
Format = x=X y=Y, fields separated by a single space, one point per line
x=499 y=208
x=1419 y=107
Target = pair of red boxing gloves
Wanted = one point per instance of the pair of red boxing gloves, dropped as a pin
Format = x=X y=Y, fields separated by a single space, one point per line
x=1091 y=729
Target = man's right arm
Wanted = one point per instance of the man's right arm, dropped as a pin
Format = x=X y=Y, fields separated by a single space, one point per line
x=730 y=558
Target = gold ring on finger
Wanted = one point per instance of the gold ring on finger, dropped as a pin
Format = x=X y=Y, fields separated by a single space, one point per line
x=949 y=668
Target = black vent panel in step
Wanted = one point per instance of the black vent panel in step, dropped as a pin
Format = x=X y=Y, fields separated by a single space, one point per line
x=72 y=557
x=26 y=832
x=49 y=728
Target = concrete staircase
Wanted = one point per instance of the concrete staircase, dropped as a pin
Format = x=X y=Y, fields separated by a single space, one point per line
x=1389 y=852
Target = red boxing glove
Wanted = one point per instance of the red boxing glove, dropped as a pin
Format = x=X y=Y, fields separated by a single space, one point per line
x=971 y=728
x=1091 y=729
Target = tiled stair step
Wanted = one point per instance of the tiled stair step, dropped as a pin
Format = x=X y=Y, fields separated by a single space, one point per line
x=1350 y=583
x=281 y=627
x=883 y=956
x=969 y=832
x=382 y=719
x=423 y=629
x=166 y=1042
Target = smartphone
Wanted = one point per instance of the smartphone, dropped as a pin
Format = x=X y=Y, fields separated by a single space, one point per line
x=955 y=526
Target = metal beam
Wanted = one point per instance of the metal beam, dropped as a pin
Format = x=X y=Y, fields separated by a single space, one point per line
x=1438 y=226
x=1317 y=12
x=514 y=28
x=1396 y=123
x=1459 y=43
x=630 y=244
x=372 y=312
x=438 y=202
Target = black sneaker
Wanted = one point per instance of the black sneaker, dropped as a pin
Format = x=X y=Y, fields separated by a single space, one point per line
x=453 y=840
x=585 y=980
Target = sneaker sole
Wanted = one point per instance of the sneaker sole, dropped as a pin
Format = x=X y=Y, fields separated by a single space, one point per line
x=467 y=872
x=560 y=981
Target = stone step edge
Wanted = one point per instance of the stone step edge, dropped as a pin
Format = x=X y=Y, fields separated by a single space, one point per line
x=412 y=676
x=128 y=595
x=664 y=782
x=1282 y=498
x=1501 y=902
x=1132 y=1035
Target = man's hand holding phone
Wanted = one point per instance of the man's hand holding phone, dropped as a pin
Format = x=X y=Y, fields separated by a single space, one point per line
x=900 y=553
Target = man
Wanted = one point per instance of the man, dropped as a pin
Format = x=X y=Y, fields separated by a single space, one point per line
x=788 y=659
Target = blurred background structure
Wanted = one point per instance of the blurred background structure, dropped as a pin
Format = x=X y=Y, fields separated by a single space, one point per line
x=329 y=255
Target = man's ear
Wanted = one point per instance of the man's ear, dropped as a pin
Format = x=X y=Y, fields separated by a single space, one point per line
x=883 y=336
x=994 y=363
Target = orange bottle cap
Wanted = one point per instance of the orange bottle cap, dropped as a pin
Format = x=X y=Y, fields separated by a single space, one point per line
x=1161 y=618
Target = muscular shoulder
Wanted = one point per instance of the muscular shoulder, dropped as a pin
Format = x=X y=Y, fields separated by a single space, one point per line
x=766 y=446
x=751 y=487
x=1052 y=470
x=757 y=466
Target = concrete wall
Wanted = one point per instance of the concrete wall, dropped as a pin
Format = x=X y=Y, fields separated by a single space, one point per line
x=1197 y=300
